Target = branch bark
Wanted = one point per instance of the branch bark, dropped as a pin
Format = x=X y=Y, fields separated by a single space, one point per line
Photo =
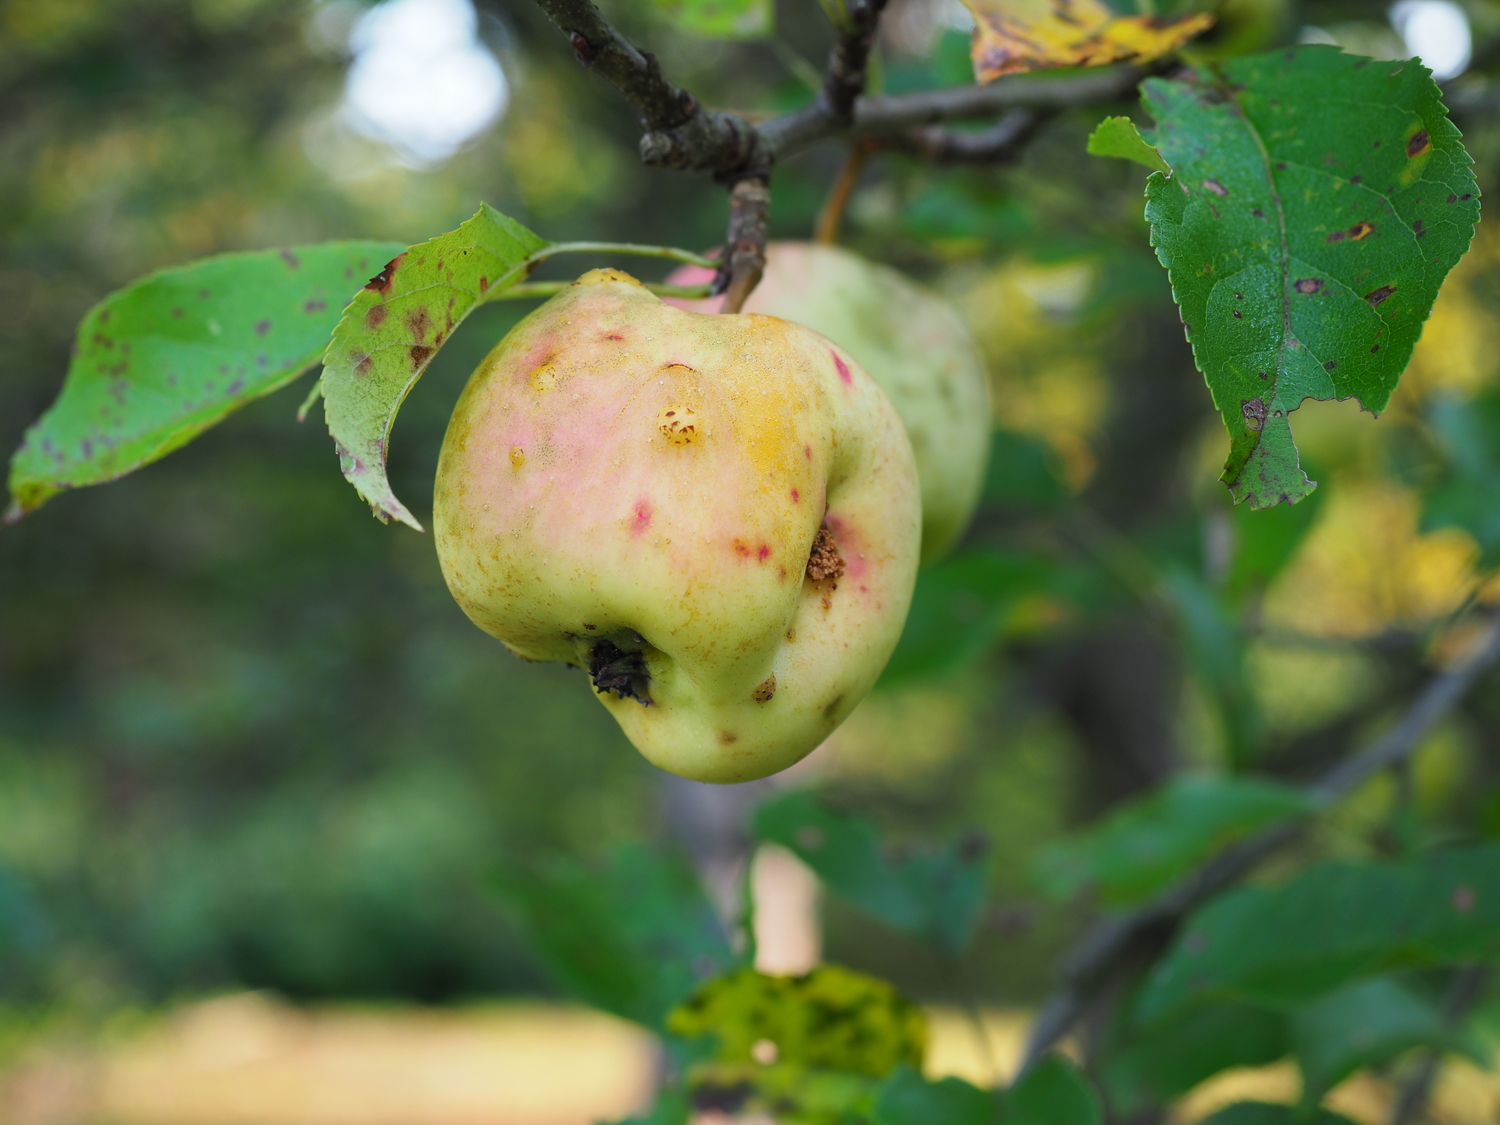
x=1117 y=943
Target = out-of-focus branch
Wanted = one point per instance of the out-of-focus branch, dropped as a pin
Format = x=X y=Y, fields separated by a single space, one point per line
x=1463 y=993
x=1119 y=943
x=1001 y=143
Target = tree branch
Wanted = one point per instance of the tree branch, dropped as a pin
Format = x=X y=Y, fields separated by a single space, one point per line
x=1464 y=992
x=1116 y=943
x=1000 y=143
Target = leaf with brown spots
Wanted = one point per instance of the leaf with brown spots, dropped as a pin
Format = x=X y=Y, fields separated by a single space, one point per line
x=394 y=327
x=1318 y=200
x=160 y=361
x=1016 y=36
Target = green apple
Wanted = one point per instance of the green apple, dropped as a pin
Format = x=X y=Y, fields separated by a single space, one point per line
x=913 y=343
x=716 y=516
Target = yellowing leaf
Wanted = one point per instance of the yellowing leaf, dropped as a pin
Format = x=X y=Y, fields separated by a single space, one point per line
x=1015 y=36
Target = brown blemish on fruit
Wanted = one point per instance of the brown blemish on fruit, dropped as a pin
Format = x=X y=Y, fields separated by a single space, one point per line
x=831 y=711
x=375 y=316
x=765 y=690
x=590 y=626
x=678 y=424
x=517 y=457
x=791 y=635
x=727 y=737
x=824 y=561
x=382 y=281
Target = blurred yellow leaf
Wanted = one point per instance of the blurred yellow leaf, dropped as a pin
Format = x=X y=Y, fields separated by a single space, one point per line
x=1014 y=36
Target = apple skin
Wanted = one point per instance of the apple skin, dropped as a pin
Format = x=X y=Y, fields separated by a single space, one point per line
x=912 y=342
x=636 y=489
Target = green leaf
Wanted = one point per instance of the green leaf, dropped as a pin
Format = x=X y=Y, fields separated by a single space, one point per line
x=1153 y=1064
x=1020 y=474
x=906 y=1098
x=1469 y=433
x=672 y=1108
x=634 y=938
x=1363 y=1024
x=1264 y=542
x=1268 y=1113
x=958 y=610
x=720 y=19
x=1317 y=202
x=1147 y=844
x=1330 y=925
x=935 y=896
x=1118 y=136
x=1215 y=647
x=160 y=361
x=832 y=1018
x=1053 y=1092
x=394 y=327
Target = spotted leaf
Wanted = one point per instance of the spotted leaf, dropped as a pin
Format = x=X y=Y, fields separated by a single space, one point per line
x=1015 y=36
x=393 y=328
x=1317 y=202
x=160 y=361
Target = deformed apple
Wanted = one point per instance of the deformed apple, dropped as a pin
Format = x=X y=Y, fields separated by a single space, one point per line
x=716 y=516
x=912 y=342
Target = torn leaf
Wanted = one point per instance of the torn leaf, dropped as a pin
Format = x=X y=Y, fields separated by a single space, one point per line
x=1317 y=201
x=1016 y=36
x=394 y=327
x=1118 y=136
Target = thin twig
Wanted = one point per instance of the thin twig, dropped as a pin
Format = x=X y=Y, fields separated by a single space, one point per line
x=826 y=232
x=745 y=255
x=1117 y=942
x=1000 y=143
x=1464 y=991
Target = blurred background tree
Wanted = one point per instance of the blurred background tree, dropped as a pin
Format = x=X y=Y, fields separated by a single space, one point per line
x=248 y=740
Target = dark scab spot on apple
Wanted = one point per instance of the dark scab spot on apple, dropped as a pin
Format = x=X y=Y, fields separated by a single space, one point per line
x=420 y=354
x=1255 y=413
x=728 y=737
x=1308 y=284
x=1418 y=144
x=590 y=626
x=1375 y=296
x=623 y=673
x=764 y=690
x=831 y=710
